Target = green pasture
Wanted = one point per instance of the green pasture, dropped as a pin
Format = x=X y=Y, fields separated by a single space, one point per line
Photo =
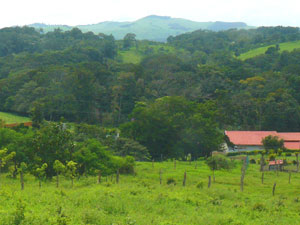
x=141 y=199
x=136 y=54
x=9 y=118
x=287 y=46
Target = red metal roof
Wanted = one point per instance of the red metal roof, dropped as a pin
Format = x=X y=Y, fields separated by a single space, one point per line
x=292 y=145
x=290 y=136
x=291 y=139
x=248 y=137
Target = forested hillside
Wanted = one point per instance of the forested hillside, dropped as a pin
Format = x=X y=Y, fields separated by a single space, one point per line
x=193 y=86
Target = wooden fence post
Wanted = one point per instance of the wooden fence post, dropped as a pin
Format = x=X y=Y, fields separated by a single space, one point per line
x=262 y=177
x=117 y=177
x=160 y=176
x=297 y=156
x=242 y=181
x=209 y=181
x=184 y=179
x=174 y=164
x=262 y=163
x=290 y=177
x=273 y=191
x=99 y=177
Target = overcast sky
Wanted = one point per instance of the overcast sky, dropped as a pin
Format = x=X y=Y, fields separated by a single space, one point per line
x=75 y=12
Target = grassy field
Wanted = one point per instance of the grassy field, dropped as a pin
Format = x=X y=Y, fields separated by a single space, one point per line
x=141 y=199
x=288 y=46
x=11 y=118
x=135 y=55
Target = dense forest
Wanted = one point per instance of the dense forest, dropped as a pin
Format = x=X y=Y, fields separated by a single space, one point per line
x=188 y=96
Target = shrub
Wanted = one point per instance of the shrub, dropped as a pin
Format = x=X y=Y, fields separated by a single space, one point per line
x=218 y=162
x=288 y=154
x=256 y=152
x=200 y=185
x=279 y=152
x=272 y=156
x=171 y=181
x=126 y=165
x=252 y=161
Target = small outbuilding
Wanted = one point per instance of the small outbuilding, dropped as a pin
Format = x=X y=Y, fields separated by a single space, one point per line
x=276 y=165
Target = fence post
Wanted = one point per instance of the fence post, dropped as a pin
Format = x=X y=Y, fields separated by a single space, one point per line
x=262 y=177
x=273 y=191
x=160 y=176
x=209 y=181
x=22 y=180
x=290 y=177
x=262 y=159
x=184 y=179
x=99 y=177
x=297 y=156
x=117 y=177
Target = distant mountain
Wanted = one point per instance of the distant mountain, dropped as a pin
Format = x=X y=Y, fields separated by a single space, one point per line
x=156 y=28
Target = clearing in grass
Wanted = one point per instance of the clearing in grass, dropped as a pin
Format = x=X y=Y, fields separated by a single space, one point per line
x=10 y=118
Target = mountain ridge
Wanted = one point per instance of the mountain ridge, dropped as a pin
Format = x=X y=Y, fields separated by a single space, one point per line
x=152 y=27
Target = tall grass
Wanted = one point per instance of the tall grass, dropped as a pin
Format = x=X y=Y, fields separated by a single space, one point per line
x=140 y=199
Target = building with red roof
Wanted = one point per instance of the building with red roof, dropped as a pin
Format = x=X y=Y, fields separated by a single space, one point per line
x=252 y=140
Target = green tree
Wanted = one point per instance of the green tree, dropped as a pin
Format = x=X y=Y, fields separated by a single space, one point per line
x=59 y=168
x=5 y=157
x=273 y=143
x=129 y=40
x=71 y=168
x=128 y=147
x=40 y=173
x=52 y=142
x=172 y=126
x=37 y=116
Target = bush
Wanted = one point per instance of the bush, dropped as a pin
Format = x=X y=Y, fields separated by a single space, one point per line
x=252 y=161
x=218 y=162
x=272 y=156
x=171 y=181
x=200 y=185
x=126 y=165
x=288 y=154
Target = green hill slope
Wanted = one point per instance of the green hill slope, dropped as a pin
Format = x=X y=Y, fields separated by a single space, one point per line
x=157 y=28
x=136 y=54
x=287 y=46
x=9 y=118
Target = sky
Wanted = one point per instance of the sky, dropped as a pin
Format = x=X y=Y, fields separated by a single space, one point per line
x=81 y=12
